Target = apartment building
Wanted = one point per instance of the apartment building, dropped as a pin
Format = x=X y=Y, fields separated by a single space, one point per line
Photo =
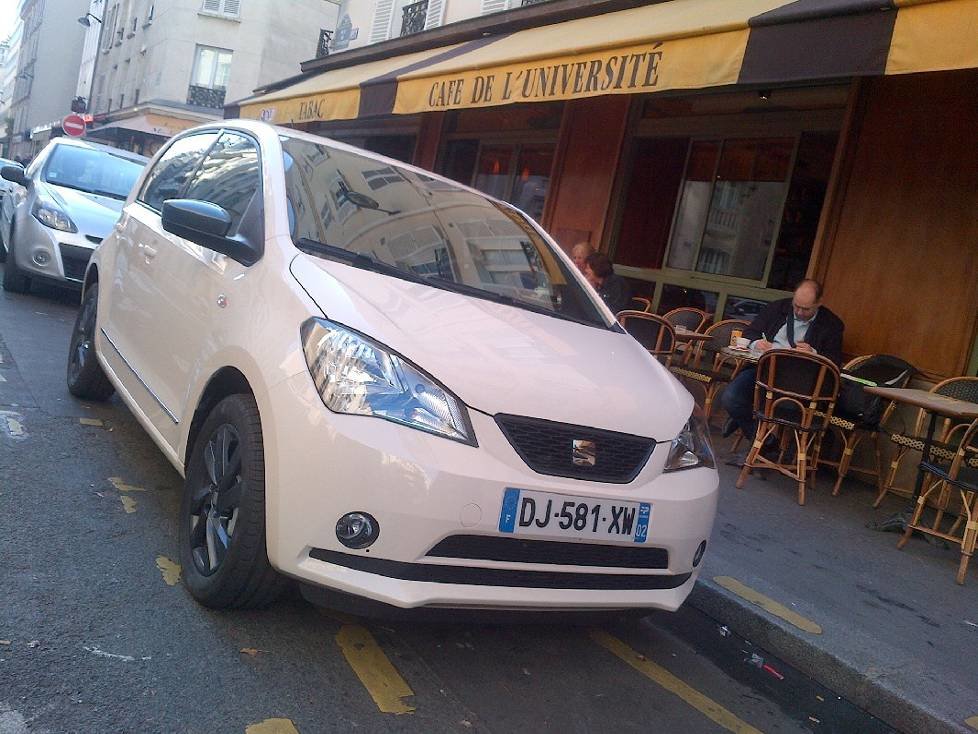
x=47 y=70
x=362 y=22
x=162 y=66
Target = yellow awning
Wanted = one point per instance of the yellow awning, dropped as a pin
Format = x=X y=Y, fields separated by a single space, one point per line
x=682 y=44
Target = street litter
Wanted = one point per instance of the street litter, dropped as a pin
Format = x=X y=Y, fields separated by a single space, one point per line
x=814 y=720
x=767 y=668
x=756 y=660
x=724 y=631
x=33 y=643
x=102 y=653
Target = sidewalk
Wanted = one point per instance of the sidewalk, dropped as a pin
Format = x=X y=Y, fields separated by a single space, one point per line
x=894 y=633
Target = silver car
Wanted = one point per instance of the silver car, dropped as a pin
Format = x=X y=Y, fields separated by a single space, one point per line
x=66 y=201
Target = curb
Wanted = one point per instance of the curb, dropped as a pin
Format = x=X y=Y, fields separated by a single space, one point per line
x=873 y=695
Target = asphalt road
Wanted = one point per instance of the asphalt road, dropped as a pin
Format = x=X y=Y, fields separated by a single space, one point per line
x=97 y=633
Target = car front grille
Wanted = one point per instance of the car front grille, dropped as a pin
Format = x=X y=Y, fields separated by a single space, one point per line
x=519 y=550
x=75 y=260
x=549 y=448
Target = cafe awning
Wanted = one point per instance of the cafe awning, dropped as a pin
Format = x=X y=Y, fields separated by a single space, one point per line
x=681 y=44
x=148 y=123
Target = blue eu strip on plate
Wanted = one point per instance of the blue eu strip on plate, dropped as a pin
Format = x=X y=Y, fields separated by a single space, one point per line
x=507 y=517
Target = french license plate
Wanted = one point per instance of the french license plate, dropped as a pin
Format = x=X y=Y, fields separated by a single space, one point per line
x=542 y=514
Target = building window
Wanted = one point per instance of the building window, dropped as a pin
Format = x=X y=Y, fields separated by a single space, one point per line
x=413 y=18
x=228 y=8
x=209 y=81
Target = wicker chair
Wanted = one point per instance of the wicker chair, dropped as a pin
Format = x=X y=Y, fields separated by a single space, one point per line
x=640 y=304
x=794 y=398
x=689 y=318
x=944 y=447
x=708 y=367
x=652 y=332
x=879 y=369
x=963 y=476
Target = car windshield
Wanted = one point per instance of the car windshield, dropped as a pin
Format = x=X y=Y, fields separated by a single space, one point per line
x=92 y=171
x=393 y=220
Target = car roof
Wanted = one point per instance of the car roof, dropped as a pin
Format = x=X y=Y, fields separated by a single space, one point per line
x=121 y=153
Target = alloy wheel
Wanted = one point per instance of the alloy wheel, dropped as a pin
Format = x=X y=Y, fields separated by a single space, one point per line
x=214 y=506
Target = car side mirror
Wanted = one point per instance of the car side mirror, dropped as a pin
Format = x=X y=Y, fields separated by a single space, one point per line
x=207 y=225
x=16 y=174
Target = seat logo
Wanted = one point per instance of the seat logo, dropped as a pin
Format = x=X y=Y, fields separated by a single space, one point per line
x=585 y=453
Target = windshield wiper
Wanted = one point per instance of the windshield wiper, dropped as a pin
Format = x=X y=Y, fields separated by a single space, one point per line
x=368 y=262
x=357 y=259
x=110 y=194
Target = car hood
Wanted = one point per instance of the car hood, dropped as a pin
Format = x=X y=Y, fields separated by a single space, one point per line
x=92 y=214
x=501 y=359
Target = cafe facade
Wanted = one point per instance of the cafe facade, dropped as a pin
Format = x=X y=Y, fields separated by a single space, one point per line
x=718 y=151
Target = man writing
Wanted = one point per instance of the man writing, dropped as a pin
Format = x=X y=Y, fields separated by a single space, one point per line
x=800 y=322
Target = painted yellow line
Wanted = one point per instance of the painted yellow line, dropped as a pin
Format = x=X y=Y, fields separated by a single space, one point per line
x=272 y=726
x=91 y=422
x=170 y=570
x=379 y=676
x=768 y=604
x=972 y=721
x=704 y=704
x=128 y=504
x=121 y=486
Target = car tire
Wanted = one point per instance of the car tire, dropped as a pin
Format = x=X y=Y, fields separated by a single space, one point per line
x=86 y=379
x=14 y=279
x=222 y=515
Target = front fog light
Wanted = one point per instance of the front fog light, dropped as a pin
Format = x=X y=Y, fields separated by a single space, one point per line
x=357 y=530
x=41 y=257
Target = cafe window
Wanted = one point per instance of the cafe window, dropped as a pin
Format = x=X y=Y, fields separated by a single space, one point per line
x=514 y=172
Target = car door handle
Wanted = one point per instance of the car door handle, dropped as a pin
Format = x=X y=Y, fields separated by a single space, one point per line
x=148 y=252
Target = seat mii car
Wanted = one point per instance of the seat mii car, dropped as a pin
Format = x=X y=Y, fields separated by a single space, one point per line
x=386 y=385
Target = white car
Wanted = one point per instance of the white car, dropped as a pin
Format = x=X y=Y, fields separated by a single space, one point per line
x=60 y=208
x=381 y=383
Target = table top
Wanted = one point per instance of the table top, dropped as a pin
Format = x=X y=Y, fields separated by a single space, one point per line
x=932 y=403
x=745 y=355
x=692 y=336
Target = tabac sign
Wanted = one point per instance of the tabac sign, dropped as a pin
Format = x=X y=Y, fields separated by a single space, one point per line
x=333 y=105
x=678 y=64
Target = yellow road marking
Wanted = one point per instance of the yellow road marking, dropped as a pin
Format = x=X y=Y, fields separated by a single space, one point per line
x=768 y=604
x=972 y=721
x=169 y=569
x=91 y=422
x=379 y=676
x=121 y=486
x=128 y=504
x=705 y=705
x=272 y=726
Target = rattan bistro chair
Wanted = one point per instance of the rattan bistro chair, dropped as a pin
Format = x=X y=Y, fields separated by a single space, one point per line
x=794 y=398
x=709 y=368
x=637 y=303
x=961 y=388
x=962 y=475
x=652 y=332
x=854 y=423
x=687 y=317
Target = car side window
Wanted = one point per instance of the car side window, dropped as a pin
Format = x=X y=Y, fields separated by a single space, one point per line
x=230 y=176
x=169 y=176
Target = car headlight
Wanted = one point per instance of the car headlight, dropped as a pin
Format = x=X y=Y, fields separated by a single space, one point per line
x=691 y=448
x=50 y=215
x=358 y=376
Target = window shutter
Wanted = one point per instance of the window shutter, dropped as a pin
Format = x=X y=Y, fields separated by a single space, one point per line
x=232 y=7
x=212 y=6
x=382 y=21
x=436 y=14
x=493 y=6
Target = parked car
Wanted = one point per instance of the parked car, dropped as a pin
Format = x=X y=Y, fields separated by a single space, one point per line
x=61 y=207
x=6 y=188
x=382 y=383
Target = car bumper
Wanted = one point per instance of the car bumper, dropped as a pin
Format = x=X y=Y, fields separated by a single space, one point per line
x=423 y=489
x=51 y=253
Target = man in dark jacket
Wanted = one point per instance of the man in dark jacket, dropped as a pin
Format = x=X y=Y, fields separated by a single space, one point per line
x=800 y=322
x=612 y=288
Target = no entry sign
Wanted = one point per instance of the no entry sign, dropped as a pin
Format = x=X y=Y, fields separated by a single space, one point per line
x=73 y=125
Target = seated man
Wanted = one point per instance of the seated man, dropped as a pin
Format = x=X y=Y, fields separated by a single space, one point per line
x=612 y=288
x=800 y=322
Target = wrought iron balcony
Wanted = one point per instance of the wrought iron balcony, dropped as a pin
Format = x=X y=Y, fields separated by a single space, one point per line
x=414 y=18
x=206 y=96
x=524 y=3
x=324 y=38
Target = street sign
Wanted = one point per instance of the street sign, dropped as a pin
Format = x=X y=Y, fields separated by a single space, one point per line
x=73 y=125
